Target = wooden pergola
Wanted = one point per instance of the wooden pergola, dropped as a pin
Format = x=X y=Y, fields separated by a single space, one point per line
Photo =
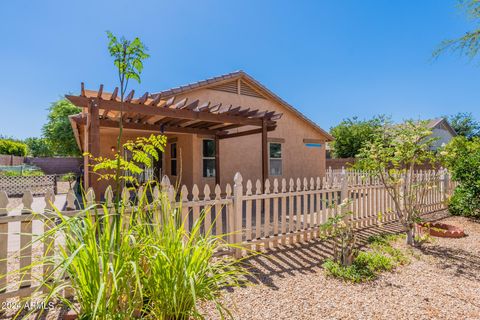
x=152 y=113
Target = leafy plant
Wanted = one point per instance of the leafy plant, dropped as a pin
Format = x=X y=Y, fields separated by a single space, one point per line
x=39 y=147
x=367 y=265
x=340 y=229
x=70 y=178
x=128 y=57
x=149 y=266
x=58 y=137
x=465 y=124
x=352 y=134
x=14 y=148
x=143 y=150
x=22 y=173
x=462 y=158
x=392 y=157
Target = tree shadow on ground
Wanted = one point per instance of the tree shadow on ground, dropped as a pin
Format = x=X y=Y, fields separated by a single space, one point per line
x=307 y=257
x=458 y=261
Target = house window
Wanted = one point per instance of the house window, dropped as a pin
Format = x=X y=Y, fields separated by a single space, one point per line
x=208 y=158
x=173 y=159
x=275 y=158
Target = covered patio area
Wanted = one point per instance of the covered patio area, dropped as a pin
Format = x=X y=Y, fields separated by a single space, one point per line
x=102 y=112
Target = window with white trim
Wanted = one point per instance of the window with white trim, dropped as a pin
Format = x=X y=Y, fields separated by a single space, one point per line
x=275 y=158
x=173 y=159
x=208 y=158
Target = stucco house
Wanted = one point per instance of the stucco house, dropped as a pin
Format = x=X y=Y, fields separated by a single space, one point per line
x=442 y=131
x=215 y=127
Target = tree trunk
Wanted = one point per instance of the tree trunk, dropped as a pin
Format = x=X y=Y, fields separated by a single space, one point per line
x=410 y=236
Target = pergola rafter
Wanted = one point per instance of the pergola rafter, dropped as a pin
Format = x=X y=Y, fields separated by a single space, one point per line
x=152 y=113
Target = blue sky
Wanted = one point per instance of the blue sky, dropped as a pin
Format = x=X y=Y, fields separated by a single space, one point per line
x=330 y=59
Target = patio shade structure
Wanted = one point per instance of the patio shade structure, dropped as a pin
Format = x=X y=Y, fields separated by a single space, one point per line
x=152 y=113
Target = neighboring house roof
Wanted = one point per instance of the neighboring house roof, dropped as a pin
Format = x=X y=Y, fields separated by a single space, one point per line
x=438 y=122
x=203 y=84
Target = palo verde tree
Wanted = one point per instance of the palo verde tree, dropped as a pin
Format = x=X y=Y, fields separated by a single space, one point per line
x=392 y=156
x=469 y=43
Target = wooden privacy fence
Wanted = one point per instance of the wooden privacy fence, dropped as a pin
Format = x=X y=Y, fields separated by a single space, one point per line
x=256 y=215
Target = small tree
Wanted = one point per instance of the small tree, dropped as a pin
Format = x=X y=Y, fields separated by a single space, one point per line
x=392 y=156
x=39 y=147
x=352 y=134
x=340 y=229
x=128 y=57
x=465 y=124
x=58 y=131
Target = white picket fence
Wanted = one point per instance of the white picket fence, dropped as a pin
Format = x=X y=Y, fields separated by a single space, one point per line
x=259 y=216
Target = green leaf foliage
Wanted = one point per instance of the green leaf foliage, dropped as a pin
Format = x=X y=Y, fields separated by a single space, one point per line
x=468 y=44
x=39 y=147
x=352 y=134
x=392 y=157
x=128 y=57
x=462 y=158
x=58 y=132
x=465 y=124
x=143 y=151
x=14 y=148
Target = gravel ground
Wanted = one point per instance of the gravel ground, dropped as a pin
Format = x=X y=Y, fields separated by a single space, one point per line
x=441 y=282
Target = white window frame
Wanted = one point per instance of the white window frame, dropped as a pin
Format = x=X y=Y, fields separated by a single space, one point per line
x=208 y=158
x=276 y=159
x=173 y=159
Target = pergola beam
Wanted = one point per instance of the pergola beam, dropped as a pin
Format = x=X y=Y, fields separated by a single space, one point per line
x=128 y=107
x=245 y=133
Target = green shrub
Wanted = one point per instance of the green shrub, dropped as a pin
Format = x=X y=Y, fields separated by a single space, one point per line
x=14 y=148
x=39 y=147
x=24 y=173
x=352 y=273
x=462 y=158
x=464 y=202
x=368 y=264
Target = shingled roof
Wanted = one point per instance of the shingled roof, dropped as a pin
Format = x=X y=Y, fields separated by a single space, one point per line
x=250 y=80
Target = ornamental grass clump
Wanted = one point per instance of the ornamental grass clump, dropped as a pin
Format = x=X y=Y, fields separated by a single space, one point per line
x=139 y=263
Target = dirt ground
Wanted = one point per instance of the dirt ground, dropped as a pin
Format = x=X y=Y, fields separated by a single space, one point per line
x=441 y=282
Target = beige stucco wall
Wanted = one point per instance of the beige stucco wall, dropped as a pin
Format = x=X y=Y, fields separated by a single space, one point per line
x=242 y=154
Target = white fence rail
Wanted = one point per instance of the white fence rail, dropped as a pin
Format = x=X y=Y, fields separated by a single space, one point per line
x=260 y=216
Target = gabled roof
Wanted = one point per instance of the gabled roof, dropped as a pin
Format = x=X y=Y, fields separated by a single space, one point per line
x=434 y=123
x=251 y=81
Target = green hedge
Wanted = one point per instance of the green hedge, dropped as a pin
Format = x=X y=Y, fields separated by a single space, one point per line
x=13 y=148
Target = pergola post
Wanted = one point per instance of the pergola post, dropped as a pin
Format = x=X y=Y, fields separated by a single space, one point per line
x=217 y=160
x=93 y=145
x=264 y=152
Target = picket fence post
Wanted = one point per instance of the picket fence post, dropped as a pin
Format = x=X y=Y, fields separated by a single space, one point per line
x=444 y=184
x=344 y=192
x=236 y=219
